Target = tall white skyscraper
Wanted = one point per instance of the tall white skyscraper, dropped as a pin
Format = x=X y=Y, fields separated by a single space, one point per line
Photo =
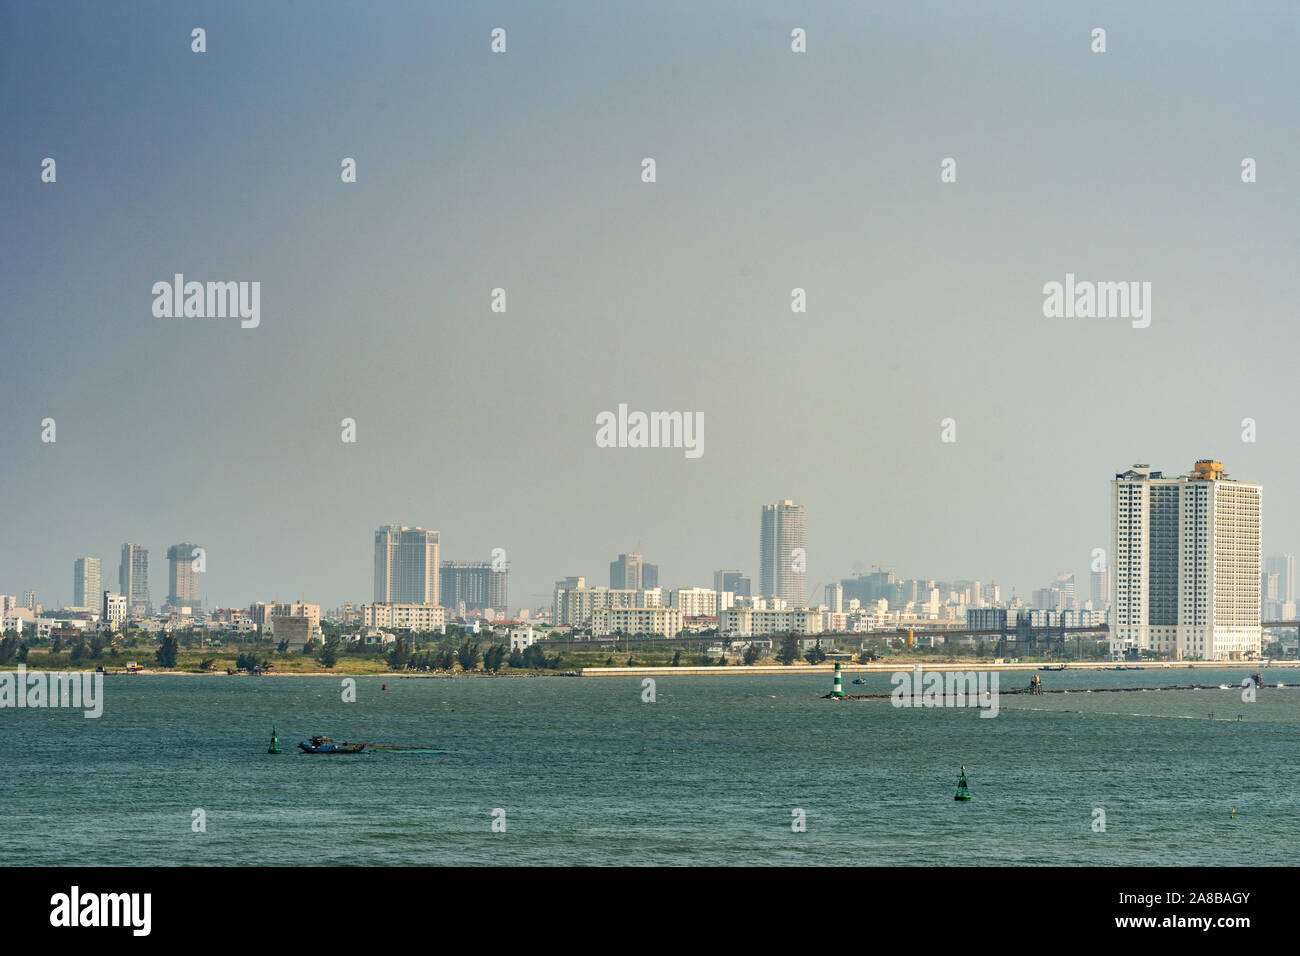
x=1185 y=563
x=407 y=564
x=86 y=580
x=782 y=553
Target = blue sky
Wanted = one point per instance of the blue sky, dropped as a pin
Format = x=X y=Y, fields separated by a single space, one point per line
x=522 y=171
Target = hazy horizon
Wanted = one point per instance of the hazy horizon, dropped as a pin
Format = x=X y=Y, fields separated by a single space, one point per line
x=522 y=171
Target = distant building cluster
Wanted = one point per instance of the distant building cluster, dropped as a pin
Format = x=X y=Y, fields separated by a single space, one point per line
x=185 y=568
x=1185 y=578
x=1277 y=588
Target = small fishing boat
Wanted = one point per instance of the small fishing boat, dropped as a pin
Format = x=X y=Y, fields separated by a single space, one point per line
x=323 y=745
x=859 y=680
x=326 y=745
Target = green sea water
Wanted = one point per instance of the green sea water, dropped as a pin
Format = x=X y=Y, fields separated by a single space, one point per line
x=712 y=772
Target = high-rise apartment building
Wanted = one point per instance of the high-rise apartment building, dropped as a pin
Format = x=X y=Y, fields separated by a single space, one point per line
x=835 y=598
x=1099 y=584
x=630 y=572
x=733 y=581
x=29 y=600
x=133 y=578
x=182 y=575
x=476 y=584
x=406 y=565
x=86 y=581
x=782 y=553
x=1284 y=565
x=625 y=572
x=1185 y=563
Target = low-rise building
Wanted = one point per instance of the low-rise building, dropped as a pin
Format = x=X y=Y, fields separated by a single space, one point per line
x=836 y=622
x=699 y=625
x=375 y=637
x=293 y=630
x=298 y=609
x=695 y=602
x=522 y=637
x=663 y=621
x=408 y=617
x=758 y=622
x=575 y=604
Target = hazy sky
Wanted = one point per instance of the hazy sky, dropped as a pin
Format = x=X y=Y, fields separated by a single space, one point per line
x=522 y=170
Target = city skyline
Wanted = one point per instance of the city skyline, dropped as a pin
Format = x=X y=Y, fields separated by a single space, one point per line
x=388 y=547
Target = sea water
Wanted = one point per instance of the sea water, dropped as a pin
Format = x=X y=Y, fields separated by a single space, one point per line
x=716 y=770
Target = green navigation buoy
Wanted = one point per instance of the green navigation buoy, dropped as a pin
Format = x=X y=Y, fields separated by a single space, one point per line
x=275 y=742
x=963 y=791
x=838 y=691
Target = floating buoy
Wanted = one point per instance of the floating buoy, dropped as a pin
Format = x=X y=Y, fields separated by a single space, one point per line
x=384 y=687
x=963 y=792
x=275 y=742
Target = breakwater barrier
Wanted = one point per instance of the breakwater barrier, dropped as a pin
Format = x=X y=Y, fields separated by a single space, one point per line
x=891 y=667
x=1029 y=692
